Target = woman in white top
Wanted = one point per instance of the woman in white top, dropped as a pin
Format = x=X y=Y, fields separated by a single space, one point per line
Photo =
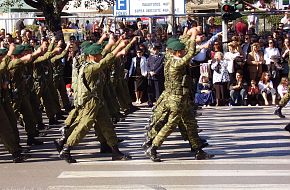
x=230 y=57
x=266 y=88
x=138 y=71
x=269 y=52
x=220 y=78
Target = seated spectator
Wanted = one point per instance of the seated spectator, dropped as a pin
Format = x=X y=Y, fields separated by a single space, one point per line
x=283 y=87
x=238 y=90
x=253 y=94
x=204 y=94
x=266 y=88
x=220 y=78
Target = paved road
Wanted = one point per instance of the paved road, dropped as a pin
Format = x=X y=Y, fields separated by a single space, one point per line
x=252 y=152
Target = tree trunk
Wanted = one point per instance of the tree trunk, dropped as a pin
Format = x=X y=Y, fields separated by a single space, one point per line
x=53 y=22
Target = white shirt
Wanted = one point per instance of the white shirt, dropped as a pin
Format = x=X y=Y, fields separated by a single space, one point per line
x=229 y=57
x=270 y=52
x=282 y=90
x=263 y=87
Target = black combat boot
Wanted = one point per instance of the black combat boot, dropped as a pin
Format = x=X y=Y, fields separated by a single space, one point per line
x=278 y=112
x=53 y=121
x=201 y=155
x=18 y=157
x=65 y=155
x=287 y=128
x=105 y=148
x=146 y=145
x=118 y=155
x=32 y=141
x=151 y=152
x=62 y=140
x=59 y=116
x=41 y=126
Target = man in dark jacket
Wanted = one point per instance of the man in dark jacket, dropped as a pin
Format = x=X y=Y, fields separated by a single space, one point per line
x=155 y=68
x=238 y=90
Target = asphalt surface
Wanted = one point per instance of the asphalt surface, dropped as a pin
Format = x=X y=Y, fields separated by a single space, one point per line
x=252 y=151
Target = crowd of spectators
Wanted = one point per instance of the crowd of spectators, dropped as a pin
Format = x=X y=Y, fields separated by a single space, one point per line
x=252 y=71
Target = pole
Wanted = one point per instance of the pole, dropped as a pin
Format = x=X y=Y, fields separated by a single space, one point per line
x=225 y=32
x=172 y=16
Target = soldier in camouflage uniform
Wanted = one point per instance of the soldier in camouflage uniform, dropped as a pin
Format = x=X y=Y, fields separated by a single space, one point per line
x=283 y=102
x=89 y=99
x=179 y=103
x=6 y=130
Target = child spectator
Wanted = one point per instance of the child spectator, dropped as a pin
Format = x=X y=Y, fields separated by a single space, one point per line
x=204 y=94
x=266 y=88
x=253 y=94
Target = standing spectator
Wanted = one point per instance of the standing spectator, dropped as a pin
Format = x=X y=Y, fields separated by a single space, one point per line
x=139 y=31
x=270 y=51
x=138 y=71
x=216 y=48
x=253 y=94
x=246 y=46
x=155 y=68
x=220 y=78
x=286 y=21
x=19 y=25
x=285 y=57
x=266 y=88
x=238 y=90
x=2 y=33
x=230 y=57
x=254 y=62
x=241 y=27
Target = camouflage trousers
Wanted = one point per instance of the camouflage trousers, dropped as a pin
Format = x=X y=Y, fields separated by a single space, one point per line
x=92 y=113
x=283 y=102
x=6 y=132
x=180 y=111
x=160 y=117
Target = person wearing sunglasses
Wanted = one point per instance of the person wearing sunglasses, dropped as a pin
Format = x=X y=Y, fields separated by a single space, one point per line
x=270 y=51
x=266 y=88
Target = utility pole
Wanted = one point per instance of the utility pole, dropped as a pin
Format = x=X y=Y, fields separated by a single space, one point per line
x=172 y=16
x=225 y=31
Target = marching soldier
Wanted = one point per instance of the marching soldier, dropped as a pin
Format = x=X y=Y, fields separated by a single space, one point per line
x=90 y=101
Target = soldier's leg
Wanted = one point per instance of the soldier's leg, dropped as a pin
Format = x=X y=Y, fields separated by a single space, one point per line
x=49 y=104
x=35 y=105
x=107 y=130
x=60 y=85
x=282 y=103
x=122 y=96
x=55 y=98
x=113 y=95
x=84 y=122
x=175 y=106
x=7 y=134
x=12 y=119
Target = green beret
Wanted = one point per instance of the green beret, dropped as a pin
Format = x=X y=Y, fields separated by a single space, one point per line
x=171 y=40
x=85 y=44
x=18 y=50
x=94 y=49
x=3 y=51
x=27 y=47
x=176 y=46
x=105 y=43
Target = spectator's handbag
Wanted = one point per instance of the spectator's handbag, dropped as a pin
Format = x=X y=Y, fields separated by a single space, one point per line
x=218 y=68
